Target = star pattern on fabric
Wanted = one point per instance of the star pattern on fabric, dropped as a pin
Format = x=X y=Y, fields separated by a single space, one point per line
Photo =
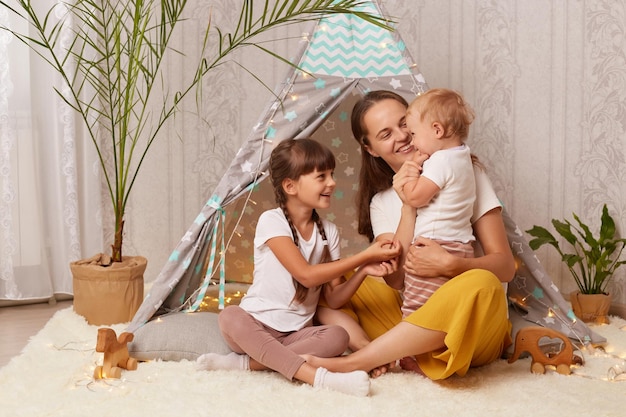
x=343 y=116
x=349 y=171
x=329 y=126
x=246 y=166
x=319 y=83
x=338 y=194
x=517 y=248
x=342 y=157
x=174 y=256
x=336 y=142
x=538 y=293
x=291 y=116
x=187 y=236
x=395 y=83
x=417 y=89
x=520 y=281
x=335 y=92
x=270 y=133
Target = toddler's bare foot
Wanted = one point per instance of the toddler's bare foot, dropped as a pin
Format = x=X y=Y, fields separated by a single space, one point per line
x=409 y=363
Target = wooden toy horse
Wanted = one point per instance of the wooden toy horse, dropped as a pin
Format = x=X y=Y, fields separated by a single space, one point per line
x=116 y=355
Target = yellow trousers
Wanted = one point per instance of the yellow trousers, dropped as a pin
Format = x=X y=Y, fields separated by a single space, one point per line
x=470 y=308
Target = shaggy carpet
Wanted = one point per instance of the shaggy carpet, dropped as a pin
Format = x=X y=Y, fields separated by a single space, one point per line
x=53 y=377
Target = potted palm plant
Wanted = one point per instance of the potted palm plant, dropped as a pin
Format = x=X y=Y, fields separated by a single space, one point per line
x=592 y=263
x=113 y=76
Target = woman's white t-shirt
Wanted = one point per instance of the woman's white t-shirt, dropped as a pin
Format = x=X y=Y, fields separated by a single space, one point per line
x=269 y=298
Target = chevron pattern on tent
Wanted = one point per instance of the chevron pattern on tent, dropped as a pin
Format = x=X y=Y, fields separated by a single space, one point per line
x=348 y=46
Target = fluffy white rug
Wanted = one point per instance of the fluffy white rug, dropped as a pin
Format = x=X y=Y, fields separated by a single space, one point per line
x=53 y=377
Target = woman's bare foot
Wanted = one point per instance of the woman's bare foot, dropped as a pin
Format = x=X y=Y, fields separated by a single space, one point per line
x=381 y=370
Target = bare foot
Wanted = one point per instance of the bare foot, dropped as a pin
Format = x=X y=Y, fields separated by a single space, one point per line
x=381 y=370
x=409 y=363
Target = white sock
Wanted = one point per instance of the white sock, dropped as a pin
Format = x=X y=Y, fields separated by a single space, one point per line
x=353 y=383
x=215 y=361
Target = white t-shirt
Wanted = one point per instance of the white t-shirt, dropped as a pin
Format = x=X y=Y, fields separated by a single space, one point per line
x=447 y=216
x=269 y=298
x=385 y=208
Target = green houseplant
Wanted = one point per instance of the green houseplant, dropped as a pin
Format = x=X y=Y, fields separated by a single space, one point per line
x=113 y=71
x=592 y=263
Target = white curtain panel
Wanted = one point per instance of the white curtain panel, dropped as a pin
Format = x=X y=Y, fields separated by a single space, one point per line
x=49 y=183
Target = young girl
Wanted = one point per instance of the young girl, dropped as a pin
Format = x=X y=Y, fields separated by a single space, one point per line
x=293 y=250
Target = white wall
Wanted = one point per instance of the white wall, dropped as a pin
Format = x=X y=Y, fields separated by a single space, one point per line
x=547 y=80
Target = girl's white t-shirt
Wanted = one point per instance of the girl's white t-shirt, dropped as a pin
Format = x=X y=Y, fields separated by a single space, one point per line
x=269 y=298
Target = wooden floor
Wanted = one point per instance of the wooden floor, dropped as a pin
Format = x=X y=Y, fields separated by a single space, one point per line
x=19 y=323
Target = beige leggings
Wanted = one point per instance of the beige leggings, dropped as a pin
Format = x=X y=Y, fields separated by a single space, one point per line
x=276 y=350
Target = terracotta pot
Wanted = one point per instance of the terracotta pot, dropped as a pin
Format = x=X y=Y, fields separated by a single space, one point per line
x=591 y=308
x=107 y=295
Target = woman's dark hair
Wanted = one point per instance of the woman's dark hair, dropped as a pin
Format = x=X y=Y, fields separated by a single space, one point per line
x=375 y=174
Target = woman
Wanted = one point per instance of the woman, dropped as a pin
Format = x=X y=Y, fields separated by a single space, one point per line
x=464 y=323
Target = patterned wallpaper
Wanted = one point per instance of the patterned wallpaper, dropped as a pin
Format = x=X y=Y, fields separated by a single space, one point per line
x=547 y=80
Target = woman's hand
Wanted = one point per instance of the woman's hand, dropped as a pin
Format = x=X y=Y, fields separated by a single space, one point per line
x=426 y=258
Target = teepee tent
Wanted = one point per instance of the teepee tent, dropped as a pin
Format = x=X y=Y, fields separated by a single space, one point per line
x=341 y=58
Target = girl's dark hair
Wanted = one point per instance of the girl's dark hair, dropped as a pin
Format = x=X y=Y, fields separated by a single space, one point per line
x=375 y=174
x=291 y=159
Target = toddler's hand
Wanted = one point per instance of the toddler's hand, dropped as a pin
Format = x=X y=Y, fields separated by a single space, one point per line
x=380 y=269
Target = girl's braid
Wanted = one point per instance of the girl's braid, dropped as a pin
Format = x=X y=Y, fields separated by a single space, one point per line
x=320 y=227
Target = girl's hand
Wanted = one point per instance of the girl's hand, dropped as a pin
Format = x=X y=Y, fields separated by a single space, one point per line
x=427 y=258
x=384 y=250
x=380 y=269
